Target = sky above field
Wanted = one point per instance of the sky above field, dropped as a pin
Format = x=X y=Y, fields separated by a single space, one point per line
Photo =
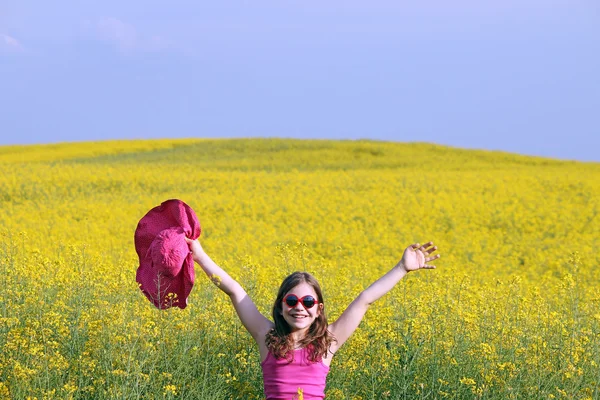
x=515 y=75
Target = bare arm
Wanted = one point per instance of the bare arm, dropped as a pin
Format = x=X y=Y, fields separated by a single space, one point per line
x=254 y=322
x=414 y=258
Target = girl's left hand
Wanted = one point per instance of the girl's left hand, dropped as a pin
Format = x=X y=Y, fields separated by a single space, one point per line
x=416 y=256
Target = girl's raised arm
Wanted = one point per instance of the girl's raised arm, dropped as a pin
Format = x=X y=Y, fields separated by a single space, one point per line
x=256 y=323
x=414 y=258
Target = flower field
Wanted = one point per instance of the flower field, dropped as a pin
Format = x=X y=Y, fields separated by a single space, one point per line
x=512 y=310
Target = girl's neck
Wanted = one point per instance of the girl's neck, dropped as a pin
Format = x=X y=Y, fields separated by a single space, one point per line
x=297 y=336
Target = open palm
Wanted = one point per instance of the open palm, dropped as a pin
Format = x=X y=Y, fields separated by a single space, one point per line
x=417 y=256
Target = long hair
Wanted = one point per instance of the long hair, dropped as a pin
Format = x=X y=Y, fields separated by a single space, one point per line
x=317 y=340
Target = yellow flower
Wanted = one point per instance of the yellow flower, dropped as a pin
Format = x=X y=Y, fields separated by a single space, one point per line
x=300 y=394
x=4 y=392
x=170 y=390
x=509 y=296
x=467 y=381
x=216 y=279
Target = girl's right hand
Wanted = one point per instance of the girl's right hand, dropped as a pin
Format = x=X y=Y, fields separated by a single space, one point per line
x=195 y=247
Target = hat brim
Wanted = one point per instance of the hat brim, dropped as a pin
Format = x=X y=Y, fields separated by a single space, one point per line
x=166 y=291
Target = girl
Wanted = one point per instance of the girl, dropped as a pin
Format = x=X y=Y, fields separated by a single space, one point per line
x=296 y=349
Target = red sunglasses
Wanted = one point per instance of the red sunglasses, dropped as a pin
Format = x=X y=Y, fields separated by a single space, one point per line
x=307 y=301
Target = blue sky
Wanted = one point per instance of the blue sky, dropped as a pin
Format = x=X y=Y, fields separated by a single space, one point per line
x=514 y=75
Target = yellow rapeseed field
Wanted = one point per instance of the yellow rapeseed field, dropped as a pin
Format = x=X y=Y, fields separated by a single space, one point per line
x=512 y=310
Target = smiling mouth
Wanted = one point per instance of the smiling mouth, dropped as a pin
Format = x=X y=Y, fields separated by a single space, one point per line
x=299 y=316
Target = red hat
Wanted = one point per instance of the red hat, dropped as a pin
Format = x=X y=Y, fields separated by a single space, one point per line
x=166 y=271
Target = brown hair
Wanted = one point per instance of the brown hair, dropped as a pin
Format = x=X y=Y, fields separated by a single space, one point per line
x=317 y=340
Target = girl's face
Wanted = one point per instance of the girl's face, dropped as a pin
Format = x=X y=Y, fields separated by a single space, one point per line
x=299 y=317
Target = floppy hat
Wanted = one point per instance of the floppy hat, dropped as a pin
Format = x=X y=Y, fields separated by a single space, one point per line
x=166 y=271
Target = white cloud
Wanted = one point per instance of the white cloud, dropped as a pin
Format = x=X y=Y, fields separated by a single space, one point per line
x=125 y=36
x=10 y=43
x=122 y=34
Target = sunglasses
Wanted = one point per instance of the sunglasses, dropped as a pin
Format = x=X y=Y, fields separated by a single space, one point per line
x=307 y=301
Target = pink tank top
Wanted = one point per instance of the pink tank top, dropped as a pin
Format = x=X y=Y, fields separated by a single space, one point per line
x=282 y=380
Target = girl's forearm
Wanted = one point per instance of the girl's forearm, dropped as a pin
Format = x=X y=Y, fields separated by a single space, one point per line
x=383 y=284
x=216 y=274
